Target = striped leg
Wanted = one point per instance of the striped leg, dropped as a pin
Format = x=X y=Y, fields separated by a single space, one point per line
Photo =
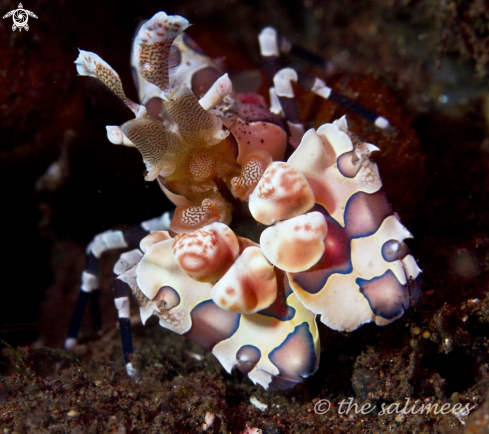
x=109 y=240
x=271 y=63
x=288 y=47
x=282 y=98
x=122 y=292
x=283 y=86
x=285 y=93
x=319 y=87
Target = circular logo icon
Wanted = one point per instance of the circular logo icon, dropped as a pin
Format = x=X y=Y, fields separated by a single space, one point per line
x=20 y=17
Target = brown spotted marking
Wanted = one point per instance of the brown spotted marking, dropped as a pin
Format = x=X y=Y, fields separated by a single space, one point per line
x=153 y=63
x=254 y=165
x=188 y=219
x=201 y=167
x=112 y=80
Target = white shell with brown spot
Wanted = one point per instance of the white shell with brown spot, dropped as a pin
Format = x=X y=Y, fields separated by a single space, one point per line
x=296 y=244
x=249 y=286
x=282 y=193
x=207 y=253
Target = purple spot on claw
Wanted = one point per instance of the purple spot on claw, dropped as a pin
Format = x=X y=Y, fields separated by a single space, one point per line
x=346 y=166
x=364 y=213
x=247 y=358
x=211 y=324
x=393 y=250
x=295 y=358
x=386 y=296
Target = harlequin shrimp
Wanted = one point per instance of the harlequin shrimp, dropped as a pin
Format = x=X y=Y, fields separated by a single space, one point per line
x=330 y=244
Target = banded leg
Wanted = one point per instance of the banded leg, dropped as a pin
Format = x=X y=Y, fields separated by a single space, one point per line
x=122 y=292
x=319 y=87
x=285 y=93
x=271 y=63
x=282 y=98
x=89 y=291
x=288 y=47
